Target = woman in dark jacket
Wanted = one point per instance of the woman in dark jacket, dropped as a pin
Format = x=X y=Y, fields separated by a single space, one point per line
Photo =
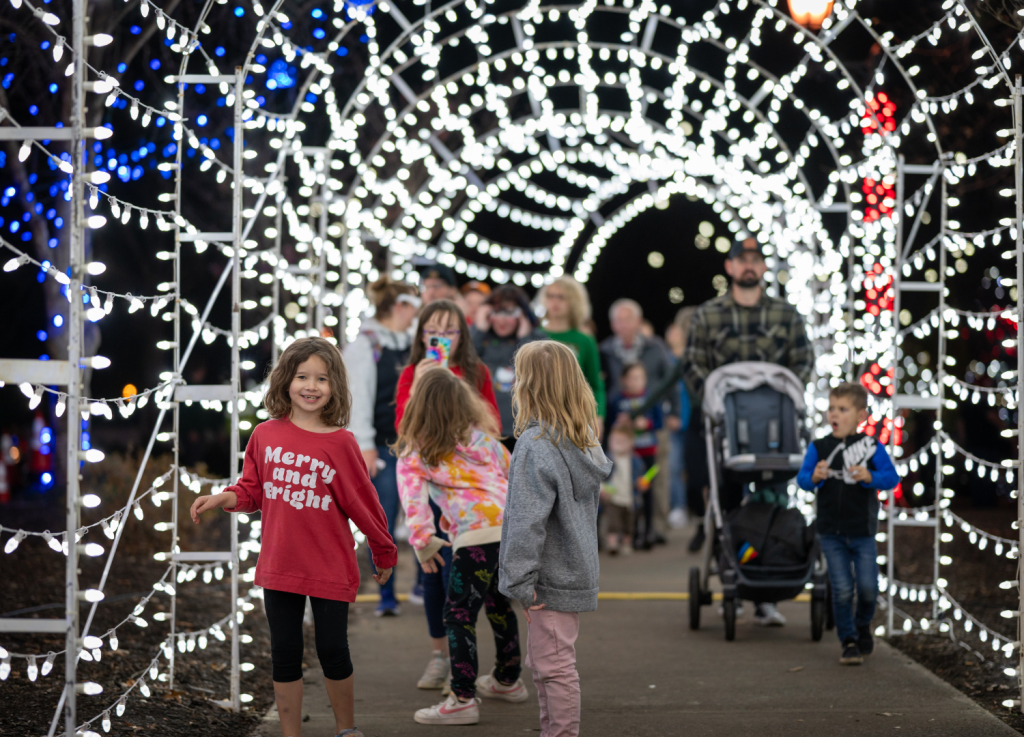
x=503 y=323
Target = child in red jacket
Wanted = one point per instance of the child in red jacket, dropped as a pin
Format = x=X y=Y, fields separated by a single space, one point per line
x=303 y=471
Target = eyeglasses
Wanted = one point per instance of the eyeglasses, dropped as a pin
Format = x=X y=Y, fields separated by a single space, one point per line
x=439 y=334
x=508 y=313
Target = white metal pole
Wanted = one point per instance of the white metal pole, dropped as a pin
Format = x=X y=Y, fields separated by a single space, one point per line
x=321 y=262
x=1019 y=181
x=890 y=507
x=76 y=255
x=940 y=381
x=236 y=325
x=176 y=416
x=275 y=289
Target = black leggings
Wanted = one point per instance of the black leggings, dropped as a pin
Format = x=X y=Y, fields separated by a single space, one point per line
x=284 y=615
x=473 y=583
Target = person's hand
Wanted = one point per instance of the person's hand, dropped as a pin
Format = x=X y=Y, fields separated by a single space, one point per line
x=436 y=563
x=643 y=485
x=641 y=423
x=525 y=327
x=535 y=607
x=820 y=472
x=673 y=423
x=417 y=373
x=370 y=459
x=214 y=501
x=861 y=474
x=482 y=319
x=382 y=575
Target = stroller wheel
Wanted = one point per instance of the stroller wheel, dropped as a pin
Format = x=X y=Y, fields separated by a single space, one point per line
x=817 y=618
x=729 y=615
x=695 y=598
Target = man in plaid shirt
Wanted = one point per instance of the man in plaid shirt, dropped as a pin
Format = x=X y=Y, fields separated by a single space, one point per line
x=744 y=324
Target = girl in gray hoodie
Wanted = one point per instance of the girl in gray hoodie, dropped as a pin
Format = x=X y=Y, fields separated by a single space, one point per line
x=548 y=554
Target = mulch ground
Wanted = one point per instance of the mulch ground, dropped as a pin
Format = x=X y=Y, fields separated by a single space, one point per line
x=32 y=578
x=964 y=661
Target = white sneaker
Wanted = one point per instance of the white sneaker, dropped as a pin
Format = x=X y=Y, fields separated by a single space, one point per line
x=438 y=670
x=677 y=519
x=489 y=687
x=767 y=615
x=450 y=711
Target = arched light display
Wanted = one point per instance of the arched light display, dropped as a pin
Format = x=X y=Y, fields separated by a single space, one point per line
x=472 y=123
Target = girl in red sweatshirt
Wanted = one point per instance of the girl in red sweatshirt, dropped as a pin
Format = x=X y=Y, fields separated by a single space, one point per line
x=303 y=471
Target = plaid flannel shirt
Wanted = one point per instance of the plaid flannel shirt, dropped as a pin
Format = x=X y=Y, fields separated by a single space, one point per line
x=724 y=332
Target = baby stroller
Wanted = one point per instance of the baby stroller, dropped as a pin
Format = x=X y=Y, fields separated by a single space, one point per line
x=753 y=415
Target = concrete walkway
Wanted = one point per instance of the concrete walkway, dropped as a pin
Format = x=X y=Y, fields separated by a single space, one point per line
x=644 y=673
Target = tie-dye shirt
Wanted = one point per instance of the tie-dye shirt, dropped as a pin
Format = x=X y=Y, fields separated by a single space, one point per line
x=469 y=487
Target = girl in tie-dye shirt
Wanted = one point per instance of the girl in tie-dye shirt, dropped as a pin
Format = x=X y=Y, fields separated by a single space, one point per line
x=448 y=451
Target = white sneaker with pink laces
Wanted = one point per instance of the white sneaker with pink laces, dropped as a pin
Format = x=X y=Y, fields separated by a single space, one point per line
x=450 y=711
x=489 y=687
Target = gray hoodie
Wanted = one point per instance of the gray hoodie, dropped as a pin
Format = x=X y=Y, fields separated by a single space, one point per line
x=549 y=533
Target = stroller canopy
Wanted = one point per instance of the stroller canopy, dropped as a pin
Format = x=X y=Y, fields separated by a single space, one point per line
x=745 y=376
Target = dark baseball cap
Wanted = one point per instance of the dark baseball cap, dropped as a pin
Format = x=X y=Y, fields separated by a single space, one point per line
x=749 y=244
x=438 y=271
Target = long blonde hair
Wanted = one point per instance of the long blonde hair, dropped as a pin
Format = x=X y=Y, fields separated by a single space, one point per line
x=575 y=296
x=440 y=416
x=551 y=389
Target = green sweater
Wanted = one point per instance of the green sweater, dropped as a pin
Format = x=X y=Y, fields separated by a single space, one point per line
x=585 y=348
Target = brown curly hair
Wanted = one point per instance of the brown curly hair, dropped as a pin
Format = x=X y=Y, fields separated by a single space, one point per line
x=338 y=408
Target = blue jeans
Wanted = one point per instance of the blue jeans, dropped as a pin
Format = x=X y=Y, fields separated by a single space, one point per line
x=435 y=585
x=852 y=564
x=386 y=484
x=676 y=466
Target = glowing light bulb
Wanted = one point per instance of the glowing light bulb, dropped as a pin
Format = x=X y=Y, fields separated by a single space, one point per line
x=5 y=668
x=10 y=547
x=93 y=455
x=92 y=596
x=93 y=550
x=48 y=665
x=89 y=688
x=58 y=48
x=33 y=669
x=105 y=721
x=100 y=39
x=96 y=221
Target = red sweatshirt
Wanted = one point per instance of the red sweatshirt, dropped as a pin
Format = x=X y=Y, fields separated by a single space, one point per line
x=484 y=387
x=308 y=486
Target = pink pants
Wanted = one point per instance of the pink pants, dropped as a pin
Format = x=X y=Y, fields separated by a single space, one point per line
x=551 y=654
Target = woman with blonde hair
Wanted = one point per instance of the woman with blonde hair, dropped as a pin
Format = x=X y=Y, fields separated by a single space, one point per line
x=566 y=312
x=548 y=555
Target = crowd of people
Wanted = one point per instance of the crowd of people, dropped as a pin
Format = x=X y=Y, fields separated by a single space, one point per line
x=512 y=446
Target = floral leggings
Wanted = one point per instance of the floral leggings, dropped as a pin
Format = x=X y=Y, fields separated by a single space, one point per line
x=472 y=583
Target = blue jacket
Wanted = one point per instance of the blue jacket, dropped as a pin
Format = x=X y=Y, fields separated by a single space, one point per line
x=848 y=508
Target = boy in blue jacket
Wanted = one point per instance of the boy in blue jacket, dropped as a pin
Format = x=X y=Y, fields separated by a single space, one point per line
x=847 y=469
